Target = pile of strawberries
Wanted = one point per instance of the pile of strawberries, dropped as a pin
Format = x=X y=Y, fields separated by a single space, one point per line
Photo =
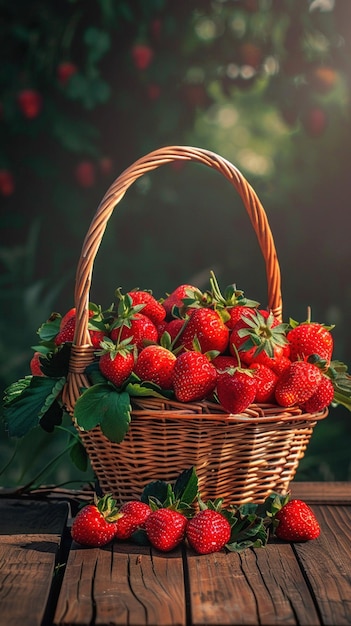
x=211 y=346
x=206 y=529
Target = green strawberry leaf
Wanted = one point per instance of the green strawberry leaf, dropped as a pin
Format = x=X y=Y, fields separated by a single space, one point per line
x=103 y=405
x=157 y=490
x=49 y=329
x=247 y=531
x=116 y=420
x=186 y=486
x=27 y=401
x=145 y=388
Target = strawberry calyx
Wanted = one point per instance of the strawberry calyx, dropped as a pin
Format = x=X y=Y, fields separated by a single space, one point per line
x=231 y=297
x=123 y=347
x=107 y=506
x=293 y=323
x=263 y=333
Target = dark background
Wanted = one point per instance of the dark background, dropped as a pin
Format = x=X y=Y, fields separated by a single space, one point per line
x=264 y=83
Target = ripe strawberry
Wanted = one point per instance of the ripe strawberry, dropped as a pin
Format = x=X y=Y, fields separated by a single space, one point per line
x=194 y=377
x=207 y=327
x=7 y=183
x=236 y=389
x=165 y=528
x=259 y=337
x=151 y=307
x=139 y=328
x=34 y=364
x=176 y=297
x=224 y=362
x=30 y=103
x=116 y=361
x=95 y=524
x=310 y=338
x=65 y=70
x=173 y=328
x=85 y=174
x=67 y=316
x=208 y=531
x=134 y=516
x=237 y=313
x=297 y=522
x=297 y=383
x=321 y=398
x=142 y=56
x=266 y=382
x=66 y=333
x=279 y=365
x=156 y=364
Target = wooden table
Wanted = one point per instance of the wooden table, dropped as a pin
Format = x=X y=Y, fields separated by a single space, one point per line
x=46 y=579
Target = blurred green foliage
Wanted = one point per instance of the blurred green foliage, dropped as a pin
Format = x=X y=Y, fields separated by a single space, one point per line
x=265 y=83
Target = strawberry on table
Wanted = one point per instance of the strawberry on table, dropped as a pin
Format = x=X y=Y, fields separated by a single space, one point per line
x=165 y=528
x=95 y=524
x=297 y=522
x=134 y=515
x=208 y=531
x=194 y=376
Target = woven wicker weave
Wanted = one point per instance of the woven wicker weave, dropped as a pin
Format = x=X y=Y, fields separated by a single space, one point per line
x=241 y=458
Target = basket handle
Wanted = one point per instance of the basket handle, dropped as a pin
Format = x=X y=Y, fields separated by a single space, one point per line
x=116 y=192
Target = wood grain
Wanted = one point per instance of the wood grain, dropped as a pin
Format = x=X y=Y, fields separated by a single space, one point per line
x=262 y=586
x=122 y=584
x=29 y=546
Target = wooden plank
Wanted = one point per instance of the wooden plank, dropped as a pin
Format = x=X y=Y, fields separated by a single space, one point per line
x=320 y=492
x=122 y=584
x=327 y=564
x=29 y=545
x=263 y=586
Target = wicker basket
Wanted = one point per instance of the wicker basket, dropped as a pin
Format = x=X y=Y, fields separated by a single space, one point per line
x=241 y=458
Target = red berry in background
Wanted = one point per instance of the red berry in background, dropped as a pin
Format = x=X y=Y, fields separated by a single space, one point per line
x=153 y=91
x=64 y=72
x=142 y=56
x=315 y=121
x=106 y=166
x=7 y=185
x=85 y=174
x=30 y=103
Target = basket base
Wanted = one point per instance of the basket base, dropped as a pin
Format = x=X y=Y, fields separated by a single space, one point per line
x=236 y=459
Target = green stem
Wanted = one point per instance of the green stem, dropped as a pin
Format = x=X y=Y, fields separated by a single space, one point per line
x=48 y=466
x=8 y=463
